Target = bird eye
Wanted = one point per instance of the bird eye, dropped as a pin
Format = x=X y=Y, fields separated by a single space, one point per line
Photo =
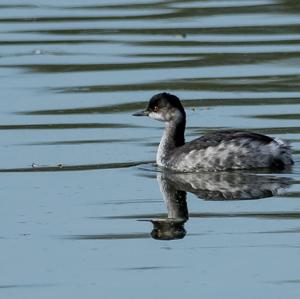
x=155 y=109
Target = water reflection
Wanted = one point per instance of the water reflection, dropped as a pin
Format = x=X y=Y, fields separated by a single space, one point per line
x=171 y=227
x=208 y=186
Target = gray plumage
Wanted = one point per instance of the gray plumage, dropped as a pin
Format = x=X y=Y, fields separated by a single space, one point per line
x=220 y=150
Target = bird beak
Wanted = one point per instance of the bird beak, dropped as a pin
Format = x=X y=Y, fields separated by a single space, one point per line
x=141 y=113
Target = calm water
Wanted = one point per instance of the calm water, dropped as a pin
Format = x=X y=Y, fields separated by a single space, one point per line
x=78 y=184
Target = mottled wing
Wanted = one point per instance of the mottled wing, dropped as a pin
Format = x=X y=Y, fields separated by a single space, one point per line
x=215 y=138
x=222 y=150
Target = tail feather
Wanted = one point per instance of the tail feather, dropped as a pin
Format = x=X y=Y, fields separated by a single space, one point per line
x=282 y=153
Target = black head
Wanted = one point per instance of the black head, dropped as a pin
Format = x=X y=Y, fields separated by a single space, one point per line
x=164 y=107
x=164 y=100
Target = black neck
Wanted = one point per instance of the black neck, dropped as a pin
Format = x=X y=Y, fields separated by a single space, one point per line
x=179 y=133
x=176 y=132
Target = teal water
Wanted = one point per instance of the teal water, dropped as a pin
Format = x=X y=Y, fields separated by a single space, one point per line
x=78 y=186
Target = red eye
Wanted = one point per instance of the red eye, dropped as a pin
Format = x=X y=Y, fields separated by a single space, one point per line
x=155 y=109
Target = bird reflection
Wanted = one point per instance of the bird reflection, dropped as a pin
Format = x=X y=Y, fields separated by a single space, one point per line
x=171 y=227
x=207 y=186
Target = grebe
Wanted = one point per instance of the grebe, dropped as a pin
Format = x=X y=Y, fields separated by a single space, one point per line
x=220 y=150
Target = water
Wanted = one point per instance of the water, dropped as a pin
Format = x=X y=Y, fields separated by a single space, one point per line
x=78 y=186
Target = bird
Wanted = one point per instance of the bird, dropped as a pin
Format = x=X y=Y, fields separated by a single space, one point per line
x=220 y=150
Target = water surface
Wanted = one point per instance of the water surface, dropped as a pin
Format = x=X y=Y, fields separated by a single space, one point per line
x=83 y=211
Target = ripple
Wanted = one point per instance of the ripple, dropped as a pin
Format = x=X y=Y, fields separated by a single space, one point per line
x=66 y=126
x=188 y=60
x=110 y=236
x=280 y=83
x=259 y=215
x=83 y=141
x=133 y=106
x=33 y=285
x=290 y=116
x=182 y=31
x=62 y=167
x=116 y=108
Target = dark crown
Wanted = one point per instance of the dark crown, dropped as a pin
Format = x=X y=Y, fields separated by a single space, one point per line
x=165 y=99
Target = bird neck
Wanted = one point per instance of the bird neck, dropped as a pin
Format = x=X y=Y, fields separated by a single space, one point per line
x=172 y=138
x=175 y=199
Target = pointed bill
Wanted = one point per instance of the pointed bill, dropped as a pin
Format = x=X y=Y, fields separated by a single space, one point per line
x=141 y=113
